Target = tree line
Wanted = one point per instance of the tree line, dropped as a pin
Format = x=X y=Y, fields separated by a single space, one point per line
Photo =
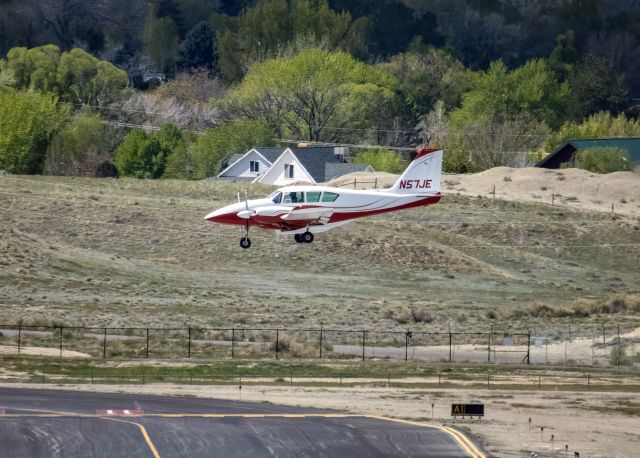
x=483 y=79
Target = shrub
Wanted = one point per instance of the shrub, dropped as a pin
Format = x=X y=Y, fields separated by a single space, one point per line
x=381 y=160
x=604 y=160
x=421 y=316
x=404 y=316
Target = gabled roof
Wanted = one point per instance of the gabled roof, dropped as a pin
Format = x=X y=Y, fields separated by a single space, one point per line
x=269 y=153
x=313 y=159
x=333 y=170
x=631 y=144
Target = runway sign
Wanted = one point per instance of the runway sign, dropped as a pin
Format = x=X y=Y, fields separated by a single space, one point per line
x=467 y=410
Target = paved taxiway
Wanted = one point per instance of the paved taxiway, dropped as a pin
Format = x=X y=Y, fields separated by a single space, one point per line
x=54 y=423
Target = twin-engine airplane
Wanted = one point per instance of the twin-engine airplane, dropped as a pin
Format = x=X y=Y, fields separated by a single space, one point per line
x=307 y=210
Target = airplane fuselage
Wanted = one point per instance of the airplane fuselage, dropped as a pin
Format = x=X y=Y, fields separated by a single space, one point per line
x=342 y=205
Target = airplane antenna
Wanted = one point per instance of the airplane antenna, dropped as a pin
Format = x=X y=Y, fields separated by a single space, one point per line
x=238 y=196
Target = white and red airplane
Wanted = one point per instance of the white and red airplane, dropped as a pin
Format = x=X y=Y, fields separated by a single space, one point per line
x=307 y=210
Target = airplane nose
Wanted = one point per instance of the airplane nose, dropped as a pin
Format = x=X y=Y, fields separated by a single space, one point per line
x=214 y=215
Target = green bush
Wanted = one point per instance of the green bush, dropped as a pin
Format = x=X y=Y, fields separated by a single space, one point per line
x=143 y=155
x=604 y=159
x=81 y=147
x=28 y=122
x=381 y=160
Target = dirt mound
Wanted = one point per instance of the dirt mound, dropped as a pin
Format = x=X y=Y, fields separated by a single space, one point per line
x=573 y=188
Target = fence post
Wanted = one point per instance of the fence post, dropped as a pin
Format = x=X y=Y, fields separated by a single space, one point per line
x=277 y=341
x=189 y=344
x=233 y=342
x=529 y=347
x=61 y=328
x=604 y=340
x=104 y=344
x=364 y=333
x=489 y=346
x=355 y=182
x=147 y=348
x=375 y=184
x=450 y=344
x=320 y=343
x=406 y=345
x=19 y=336
x=619 y=348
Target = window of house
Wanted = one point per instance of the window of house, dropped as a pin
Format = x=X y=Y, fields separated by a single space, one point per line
x=254 y=166
x=288 y=170
x=329 y=197
x=313 y=196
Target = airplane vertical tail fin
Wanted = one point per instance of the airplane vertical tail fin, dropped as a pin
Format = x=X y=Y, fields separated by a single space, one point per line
x=423 y=174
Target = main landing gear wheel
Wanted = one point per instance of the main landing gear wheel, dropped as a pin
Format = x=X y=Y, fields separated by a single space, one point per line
x=307 y=237
x=245 y=242
x=298 y=238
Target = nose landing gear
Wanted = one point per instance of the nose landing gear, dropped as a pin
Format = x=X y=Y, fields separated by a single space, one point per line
x=245 y=242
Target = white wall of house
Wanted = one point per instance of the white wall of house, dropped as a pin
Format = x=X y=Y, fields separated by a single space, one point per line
x=276 y=174
x=242 y=167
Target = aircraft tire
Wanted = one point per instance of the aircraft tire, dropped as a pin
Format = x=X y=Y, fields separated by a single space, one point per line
x=307 y=237
x=298 y=238
x=245 y=242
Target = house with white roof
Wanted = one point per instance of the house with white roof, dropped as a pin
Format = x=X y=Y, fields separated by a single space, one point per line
x=251 y=165
x=316 y=164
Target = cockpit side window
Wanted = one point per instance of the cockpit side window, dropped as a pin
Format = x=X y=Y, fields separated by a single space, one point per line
x=329 y=196
x=293 y=197
x=276 y=198
x=313 y=196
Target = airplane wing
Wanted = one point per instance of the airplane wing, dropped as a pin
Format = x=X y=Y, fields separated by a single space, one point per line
x=318 y=215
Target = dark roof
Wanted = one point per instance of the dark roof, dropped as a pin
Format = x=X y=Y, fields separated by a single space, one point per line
x=333 y=170
x=269 y=153
x=314 y=159
x=631 y=144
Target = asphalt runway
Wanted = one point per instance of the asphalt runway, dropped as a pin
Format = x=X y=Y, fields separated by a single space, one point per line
x=52 y=423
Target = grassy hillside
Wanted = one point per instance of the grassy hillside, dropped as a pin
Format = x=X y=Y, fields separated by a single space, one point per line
x=129 y=252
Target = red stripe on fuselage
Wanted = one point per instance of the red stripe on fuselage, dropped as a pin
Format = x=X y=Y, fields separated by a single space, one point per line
x=343 y=216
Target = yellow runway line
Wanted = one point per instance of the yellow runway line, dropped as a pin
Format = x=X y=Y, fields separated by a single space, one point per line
x=143 y=430
x=460 y=438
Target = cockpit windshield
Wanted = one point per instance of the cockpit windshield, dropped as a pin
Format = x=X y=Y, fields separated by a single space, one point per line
x=276 y=197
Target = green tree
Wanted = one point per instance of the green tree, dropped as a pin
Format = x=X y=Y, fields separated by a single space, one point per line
x=81 y=146
x=28 y=121
x=144 y=156
x=596 y=85
x=197 y=48
x=499 y=95
x=163 y=44
x=426 y=75
x=381 y=160
x=264 y=31
x=604 y=160
x=34 y=68
x=601 y=124
x=208 y=154
x=85 y=80
x=564 y=56
x=314 y=95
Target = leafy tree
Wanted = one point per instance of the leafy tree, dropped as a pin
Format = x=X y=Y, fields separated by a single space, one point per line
x=144 y=156
x=601 y=124
x=262 y=32
x=314 y=95
x=85 y=80
x=499 y=95
x=208 y=154
x=381 y=160
x=163 y=44
x=596 y=85
x=604 y=159
x=563 y=57
x=197 y=48
x=427 y=75
x=28 y=121
x=81 y=146
x=34 y=68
